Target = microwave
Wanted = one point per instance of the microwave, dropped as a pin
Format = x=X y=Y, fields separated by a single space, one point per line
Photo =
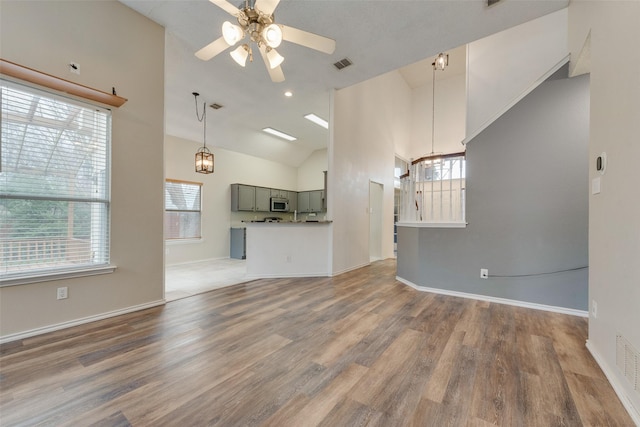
x=279 y=205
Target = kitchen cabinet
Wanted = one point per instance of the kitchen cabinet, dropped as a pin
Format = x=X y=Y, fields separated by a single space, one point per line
x=263 y=199
x=243 y=197
x=293 y=200
x=303 y=202
x=280 y=194
x=316 y=201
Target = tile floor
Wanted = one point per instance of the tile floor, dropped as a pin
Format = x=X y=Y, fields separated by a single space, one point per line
x=185 y=280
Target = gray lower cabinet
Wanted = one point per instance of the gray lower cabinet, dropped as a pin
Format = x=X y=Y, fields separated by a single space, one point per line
x=238 y=243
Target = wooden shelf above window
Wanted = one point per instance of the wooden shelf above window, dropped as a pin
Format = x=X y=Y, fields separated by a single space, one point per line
x=30 y=75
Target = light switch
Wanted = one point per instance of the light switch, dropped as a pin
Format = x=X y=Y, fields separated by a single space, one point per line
x=595 y=185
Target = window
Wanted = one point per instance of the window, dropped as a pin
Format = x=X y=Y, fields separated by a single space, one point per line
x=434 y=190
x=182 y=204
x=54 y=184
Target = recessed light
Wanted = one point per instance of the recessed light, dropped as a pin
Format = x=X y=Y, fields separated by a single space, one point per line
x=288 y=94
x=279 y=134
x=317 y=120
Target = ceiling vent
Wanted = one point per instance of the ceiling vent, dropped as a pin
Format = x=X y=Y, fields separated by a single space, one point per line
x=492 y=2
x=343 y=63
x=215 y=106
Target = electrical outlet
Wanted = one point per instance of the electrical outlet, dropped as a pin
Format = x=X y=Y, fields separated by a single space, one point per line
x=594 y=309
x=74 y=67
x=484 y=273
x=287 y=258
x=63 y=293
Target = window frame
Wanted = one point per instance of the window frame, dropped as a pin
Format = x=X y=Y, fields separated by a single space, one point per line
x=40 y=272
x=190 y=239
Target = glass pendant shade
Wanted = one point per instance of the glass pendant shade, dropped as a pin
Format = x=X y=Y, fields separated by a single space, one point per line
x=274 y=58
x=272 y=35
x=442 y=60
x=232 y=33
x=204 y=160
x=240 y=55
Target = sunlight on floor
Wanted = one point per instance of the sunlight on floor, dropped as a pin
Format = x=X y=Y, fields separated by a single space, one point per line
x=185 y=280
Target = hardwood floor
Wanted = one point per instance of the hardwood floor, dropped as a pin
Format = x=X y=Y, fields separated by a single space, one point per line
x=356 y=349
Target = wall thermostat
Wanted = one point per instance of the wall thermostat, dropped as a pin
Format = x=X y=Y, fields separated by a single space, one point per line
x=601 y=163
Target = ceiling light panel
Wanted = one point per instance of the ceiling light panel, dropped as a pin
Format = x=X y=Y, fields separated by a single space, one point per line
x=279 y=134
x=317 y=120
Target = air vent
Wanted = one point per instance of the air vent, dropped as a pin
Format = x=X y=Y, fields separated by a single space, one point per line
x=492 y=2
x=215 y=106
x=628 y=361
x=343 y=63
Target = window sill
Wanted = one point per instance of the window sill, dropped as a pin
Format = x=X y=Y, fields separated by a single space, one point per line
x=417 y=224
x=174 y=242
x=56 y=275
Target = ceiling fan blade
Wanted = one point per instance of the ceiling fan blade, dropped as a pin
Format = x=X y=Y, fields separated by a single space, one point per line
x=266 y=6
x=307 y=39
x=227 y=7
x=212 y=49
x=276 y=73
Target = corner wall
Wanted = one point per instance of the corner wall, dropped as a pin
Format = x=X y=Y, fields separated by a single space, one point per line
x=526 y=207
x=116 y=47
x=369 y=119
x=614 y=232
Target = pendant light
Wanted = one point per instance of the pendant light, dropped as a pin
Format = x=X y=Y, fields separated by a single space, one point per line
x=440 y=63
x=204 y=157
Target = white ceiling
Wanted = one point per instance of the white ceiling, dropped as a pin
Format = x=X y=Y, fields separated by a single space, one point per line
x=377 y=36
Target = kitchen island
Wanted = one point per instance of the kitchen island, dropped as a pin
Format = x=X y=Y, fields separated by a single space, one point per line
x=288 y=249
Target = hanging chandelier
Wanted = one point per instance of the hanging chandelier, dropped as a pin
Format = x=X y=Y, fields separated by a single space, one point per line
x=204 y=157
x=440 y=63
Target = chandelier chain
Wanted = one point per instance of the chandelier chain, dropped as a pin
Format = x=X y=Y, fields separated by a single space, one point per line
x=202 y=119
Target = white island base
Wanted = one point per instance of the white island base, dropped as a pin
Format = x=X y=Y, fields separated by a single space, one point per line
x=288 y=249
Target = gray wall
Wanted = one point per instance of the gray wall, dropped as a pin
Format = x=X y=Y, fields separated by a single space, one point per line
x=527 y=206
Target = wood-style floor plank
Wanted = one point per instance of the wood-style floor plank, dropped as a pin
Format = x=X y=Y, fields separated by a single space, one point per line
x=356 y=349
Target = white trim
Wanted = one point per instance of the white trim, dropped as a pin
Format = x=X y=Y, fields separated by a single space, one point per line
x=626 y=401
x=177 y=242
x=516 y=303
x=285 y=275
x=517 y=99
x=197 y=261
x=346 y=270
x=431 y=224
x=57 y=275
x=77 y=322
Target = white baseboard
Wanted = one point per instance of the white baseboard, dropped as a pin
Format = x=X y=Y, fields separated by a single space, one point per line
x=634 y=412
x=63 y=325
x=198 y=261
x=346 y=270
x=535 y=306
x=285 y=276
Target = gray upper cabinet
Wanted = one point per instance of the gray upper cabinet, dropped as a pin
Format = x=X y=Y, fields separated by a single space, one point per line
x=303 y=202
x=243 y=197
x=263 y=199
x=293 y=200
x=316 y=201
x=281 y=194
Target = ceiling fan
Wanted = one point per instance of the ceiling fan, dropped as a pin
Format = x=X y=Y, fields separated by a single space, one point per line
x=256 y=20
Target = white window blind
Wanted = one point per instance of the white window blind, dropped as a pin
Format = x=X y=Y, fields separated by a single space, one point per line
x=54 y=183
x=182 y=204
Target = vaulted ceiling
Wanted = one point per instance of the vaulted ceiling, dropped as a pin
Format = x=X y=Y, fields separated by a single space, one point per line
x=377 y=36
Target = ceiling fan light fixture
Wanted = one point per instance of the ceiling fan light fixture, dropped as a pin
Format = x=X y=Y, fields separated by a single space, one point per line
x=240 y=54
x=274 y=58
x=272 y=35
x=232 y=33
